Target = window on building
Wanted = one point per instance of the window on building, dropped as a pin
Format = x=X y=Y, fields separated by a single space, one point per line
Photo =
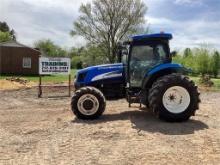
x=26 y=62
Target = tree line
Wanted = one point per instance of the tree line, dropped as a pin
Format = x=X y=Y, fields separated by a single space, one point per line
x=202 y=61
x=80 y=57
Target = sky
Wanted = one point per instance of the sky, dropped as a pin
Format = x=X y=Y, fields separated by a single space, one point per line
x=192 y=22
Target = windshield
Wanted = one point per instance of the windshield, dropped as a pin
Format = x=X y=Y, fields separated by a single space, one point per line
x=142 y=59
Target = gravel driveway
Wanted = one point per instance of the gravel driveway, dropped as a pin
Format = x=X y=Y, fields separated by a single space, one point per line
x=44 y=131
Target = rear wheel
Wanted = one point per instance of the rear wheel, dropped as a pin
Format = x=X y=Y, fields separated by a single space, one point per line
x=88 y=103
x=174 y=98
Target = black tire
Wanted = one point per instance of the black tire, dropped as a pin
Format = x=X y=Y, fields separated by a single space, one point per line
x=83 y=92
x=158 y=90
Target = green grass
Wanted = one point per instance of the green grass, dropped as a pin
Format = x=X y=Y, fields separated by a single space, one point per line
x=48 y=79
x=215 y=80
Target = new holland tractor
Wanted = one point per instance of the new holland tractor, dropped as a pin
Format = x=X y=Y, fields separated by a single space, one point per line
x=146 y=75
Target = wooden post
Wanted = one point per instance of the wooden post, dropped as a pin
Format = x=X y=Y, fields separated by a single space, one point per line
x=39 y=87
x=69 y=85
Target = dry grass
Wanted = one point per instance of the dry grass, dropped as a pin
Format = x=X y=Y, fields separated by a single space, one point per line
x=9 y=85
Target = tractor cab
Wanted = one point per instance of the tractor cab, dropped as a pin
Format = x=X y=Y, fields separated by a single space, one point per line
x=145 y=53
x=142 y=54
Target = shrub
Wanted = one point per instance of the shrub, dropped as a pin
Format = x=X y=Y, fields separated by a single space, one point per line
x=200 y=60
x=215 y=63
x=206 y=80
x=76 y=62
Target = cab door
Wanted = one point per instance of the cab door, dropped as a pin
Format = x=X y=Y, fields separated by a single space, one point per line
x=144 y=57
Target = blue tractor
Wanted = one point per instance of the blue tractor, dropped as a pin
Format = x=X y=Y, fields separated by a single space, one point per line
x=146 y=75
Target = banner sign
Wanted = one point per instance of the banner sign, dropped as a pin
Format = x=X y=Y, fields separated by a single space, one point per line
x=58 y=65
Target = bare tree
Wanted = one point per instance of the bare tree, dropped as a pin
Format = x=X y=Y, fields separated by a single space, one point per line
x=106 y=22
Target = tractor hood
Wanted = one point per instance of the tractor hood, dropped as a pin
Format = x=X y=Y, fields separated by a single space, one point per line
x=100 y=73
x=102 y=67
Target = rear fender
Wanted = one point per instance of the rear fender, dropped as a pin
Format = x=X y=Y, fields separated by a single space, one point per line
x=160 y=71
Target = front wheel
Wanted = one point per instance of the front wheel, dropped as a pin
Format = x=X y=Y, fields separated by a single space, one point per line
x=174 y=98
x=88 y=103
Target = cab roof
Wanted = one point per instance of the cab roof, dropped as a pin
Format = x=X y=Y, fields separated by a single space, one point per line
x=166 y=36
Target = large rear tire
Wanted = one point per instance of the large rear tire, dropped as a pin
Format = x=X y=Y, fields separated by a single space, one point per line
x=88 y=103
x=174 y=98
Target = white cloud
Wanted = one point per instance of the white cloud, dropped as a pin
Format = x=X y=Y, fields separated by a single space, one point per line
x=188 y=2
x=37 y=19
x=66 y=6
x=161 y=20
x=189 y=33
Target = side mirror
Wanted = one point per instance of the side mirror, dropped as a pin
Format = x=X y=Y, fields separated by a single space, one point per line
x=173 y=53
x=121 y=51
x=122 y=54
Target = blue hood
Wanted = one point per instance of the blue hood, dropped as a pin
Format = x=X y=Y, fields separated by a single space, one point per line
x=101 y=67
x=100 y=73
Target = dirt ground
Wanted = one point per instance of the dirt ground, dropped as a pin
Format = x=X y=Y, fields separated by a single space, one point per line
x=44 y=131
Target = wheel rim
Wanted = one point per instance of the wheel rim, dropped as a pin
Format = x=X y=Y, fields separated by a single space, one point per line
x=88 y=104
x=176 y=99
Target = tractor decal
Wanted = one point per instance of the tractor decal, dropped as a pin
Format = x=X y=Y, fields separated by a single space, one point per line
x=107 y=75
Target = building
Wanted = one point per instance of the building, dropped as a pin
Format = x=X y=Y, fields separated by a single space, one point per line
x=18 y=59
